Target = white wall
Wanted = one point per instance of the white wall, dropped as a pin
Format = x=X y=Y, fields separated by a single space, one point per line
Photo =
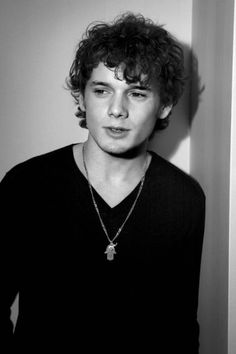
x=210 y=164
x=37 y=43
x=232 y=216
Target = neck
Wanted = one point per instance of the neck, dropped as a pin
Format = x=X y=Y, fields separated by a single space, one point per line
x=113 y=169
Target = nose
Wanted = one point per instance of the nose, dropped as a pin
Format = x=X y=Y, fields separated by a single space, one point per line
x=118 y=107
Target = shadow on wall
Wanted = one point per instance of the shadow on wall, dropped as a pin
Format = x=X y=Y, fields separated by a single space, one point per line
x=166 y=142
x=197 y=87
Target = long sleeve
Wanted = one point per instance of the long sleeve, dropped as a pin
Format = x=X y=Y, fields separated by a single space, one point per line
x=193 y=242
x=8 y=257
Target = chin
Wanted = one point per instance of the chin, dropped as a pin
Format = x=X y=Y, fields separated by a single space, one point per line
x=124 y=152
x=114 y=150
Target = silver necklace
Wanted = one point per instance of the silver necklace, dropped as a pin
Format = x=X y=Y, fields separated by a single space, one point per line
x=110 y=249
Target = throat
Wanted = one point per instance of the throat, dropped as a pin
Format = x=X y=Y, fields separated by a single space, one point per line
x=114 y=194
x=114 y=179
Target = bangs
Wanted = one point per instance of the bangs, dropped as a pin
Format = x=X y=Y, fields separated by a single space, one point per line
x=137 y=63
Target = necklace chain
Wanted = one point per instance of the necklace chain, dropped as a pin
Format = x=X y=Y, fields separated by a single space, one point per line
x=110 y=250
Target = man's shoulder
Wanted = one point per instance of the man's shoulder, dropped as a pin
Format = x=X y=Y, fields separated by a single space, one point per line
x=175 y=178
x=43 y=163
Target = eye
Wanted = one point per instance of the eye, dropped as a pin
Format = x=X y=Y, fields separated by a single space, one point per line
x=139 y=95
x=100 y=92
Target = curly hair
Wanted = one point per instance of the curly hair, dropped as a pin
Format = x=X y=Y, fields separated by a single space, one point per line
x=142 y=47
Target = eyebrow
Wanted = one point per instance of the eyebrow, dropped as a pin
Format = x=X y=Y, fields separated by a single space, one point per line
x=140 y=87
x=99 y=83
x=133 y=86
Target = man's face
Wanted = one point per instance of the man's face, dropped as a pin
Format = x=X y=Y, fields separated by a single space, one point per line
x=120 y=116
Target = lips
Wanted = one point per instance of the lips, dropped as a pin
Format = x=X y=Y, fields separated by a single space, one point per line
x=117 y=129
x=117 y=132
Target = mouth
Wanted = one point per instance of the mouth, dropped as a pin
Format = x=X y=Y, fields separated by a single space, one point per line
x=117 y=129
x=117 y=132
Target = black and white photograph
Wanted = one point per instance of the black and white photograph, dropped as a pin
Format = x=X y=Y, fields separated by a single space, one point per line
x=117 y=176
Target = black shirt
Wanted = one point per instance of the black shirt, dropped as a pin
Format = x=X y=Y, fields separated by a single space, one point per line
x=70 y=296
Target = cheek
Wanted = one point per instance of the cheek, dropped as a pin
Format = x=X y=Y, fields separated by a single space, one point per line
x=152 y=117
x=145 y=128
x=94 y=110
x=147 y=119
x=94 y=118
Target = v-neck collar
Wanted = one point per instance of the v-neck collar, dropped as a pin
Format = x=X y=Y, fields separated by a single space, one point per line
x=125 y=200
x=116 y=209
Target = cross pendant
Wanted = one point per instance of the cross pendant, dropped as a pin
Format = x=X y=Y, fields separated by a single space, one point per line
x=110 y=251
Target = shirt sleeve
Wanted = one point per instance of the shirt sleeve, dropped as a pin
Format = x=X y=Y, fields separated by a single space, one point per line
x=192 y=262
x=9 y=256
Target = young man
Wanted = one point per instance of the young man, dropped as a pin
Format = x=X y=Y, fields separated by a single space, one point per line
x=103 y=239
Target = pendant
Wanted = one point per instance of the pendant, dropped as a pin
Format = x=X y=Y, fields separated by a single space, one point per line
x=110 y=251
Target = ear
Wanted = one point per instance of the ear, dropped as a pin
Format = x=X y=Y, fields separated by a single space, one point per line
x=82 y=102
x=165 y=111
